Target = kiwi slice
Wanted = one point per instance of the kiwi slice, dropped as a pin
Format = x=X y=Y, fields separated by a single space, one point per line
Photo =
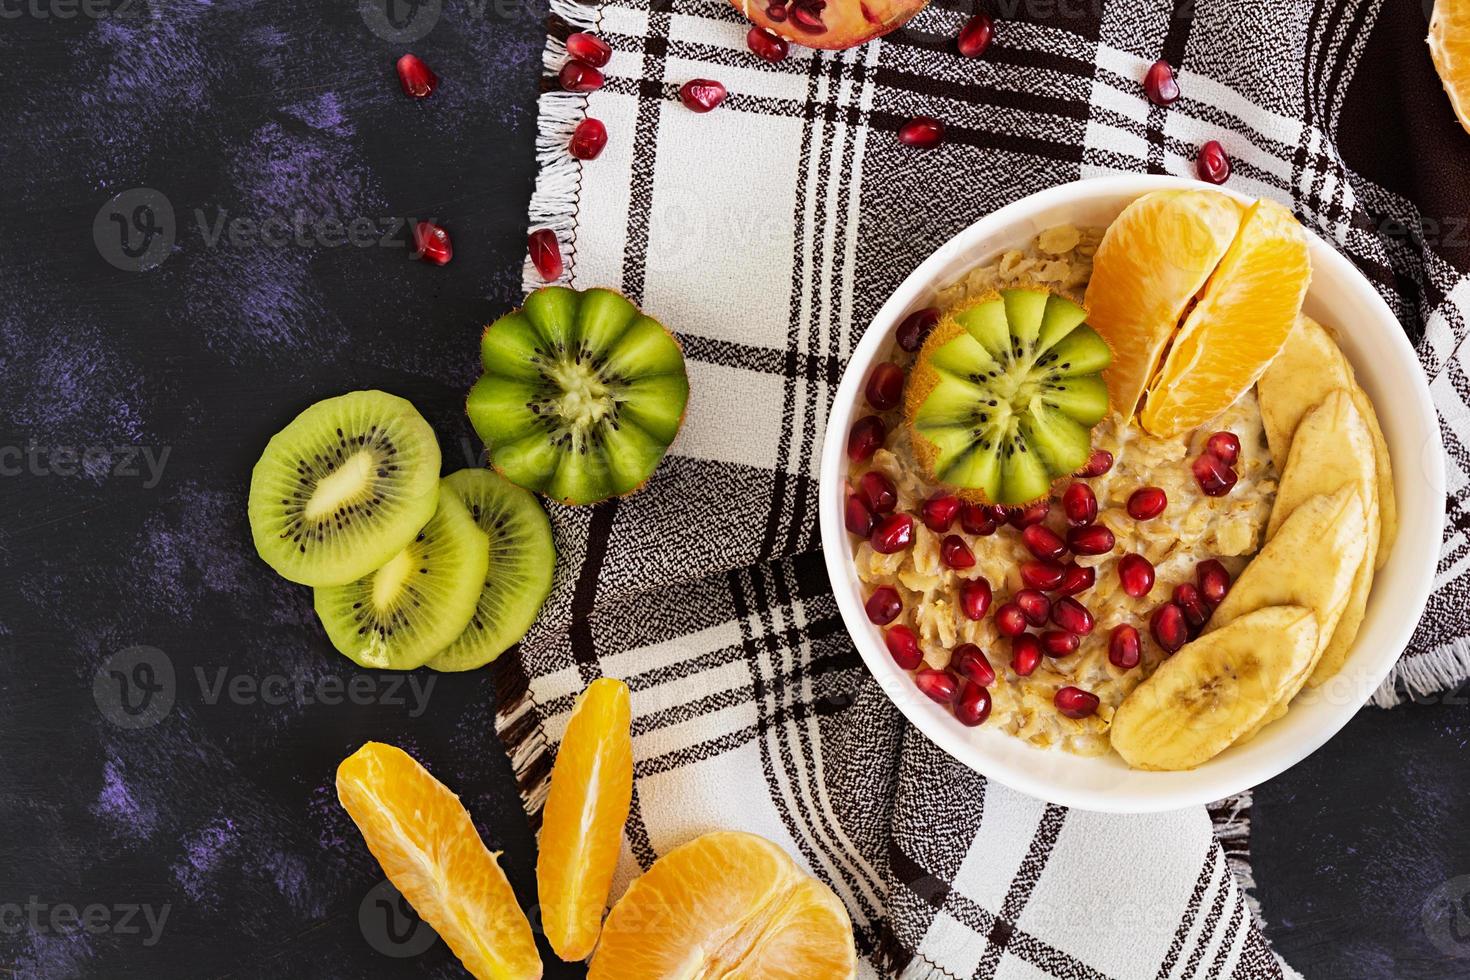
x=581 y=395
x=1004 y=394
x=418 y=603
x=343 y=488
x=522 y=559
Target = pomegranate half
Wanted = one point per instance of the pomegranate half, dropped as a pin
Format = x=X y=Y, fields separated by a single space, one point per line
x=830 y=24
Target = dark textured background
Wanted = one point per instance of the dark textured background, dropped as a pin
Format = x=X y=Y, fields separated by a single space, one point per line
x=222 y=812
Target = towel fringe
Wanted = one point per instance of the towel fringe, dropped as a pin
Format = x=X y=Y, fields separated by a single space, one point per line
x=1425 y=675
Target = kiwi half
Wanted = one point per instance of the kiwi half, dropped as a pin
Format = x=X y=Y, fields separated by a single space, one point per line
x=581 y=395
x=1003 y=396
x=522 y=559
x=343 y=488
x=418 y=603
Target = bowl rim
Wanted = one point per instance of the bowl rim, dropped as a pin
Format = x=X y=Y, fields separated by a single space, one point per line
x=942 y=729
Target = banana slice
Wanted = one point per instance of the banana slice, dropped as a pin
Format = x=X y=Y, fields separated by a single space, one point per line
x=1202 y=699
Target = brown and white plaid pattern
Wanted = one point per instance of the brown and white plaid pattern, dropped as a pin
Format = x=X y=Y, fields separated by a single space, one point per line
x=766 y=234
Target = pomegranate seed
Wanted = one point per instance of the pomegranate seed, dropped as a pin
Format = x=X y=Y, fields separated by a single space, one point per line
x=1159 y=84
x=955 y=553
x=866 y=436
x=1059 y=643
x=885 y=386
x=1146 y=503
x=877 y=492
x=1023 y=517
x=1097 y=464
x=1095 y=539
x=904 y=647
x=937 y=685
x=884 y=605
x=1044 y=575
x=1168 y=627
x=1026 y=653
x=975 y=599
x=1215 y=477
x=588 y=139
x=777 y=12
x=1224 y=446
x=1075 y=702
x=1043 y=542
x=1213 y=580
x=1136 y=575
x=1072 y=616
x=418 y=79
x=894 y=533
x=973 y=706
x=1035 y=606
x=702 y=94
x=1125 y=648
x=578 y=76
x=975 y=35
x=976 y=519
x=1213 y=165
x=1196 y=613
x=545 y=253
x=432 y=243
x=1079 y=578
x=971 y=662
x=589 y=48
x=767 y=44
x=808 y=16
x=1079 y=503
x=1010 y=620
x=857 y=517
x=940 y=511
x=921 y=132
x=915 y=327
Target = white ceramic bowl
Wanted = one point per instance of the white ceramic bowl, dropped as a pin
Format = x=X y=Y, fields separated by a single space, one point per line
x=1386 y=367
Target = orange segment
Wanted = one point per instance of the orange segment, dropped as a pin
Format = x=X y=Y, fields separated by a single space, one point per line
x=1449 y=46
x=1237 y=327
x=727 y=905
x=423 y=838
x=1149 y=265
x=582 y=824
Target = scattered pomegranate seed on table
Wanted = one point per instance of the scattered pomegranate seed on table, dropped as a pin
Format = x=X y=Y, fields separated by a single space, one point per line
x=893 y=534
x=589 y=48
x=1075 y=702
x=702 y=94
x=1095 y=539
x=1136 y=575
x=857 y=517
x=1010 y=620
x=1079 y=578
x=885 y=386
x=1168 y=627
x=431 y=243
x=1212 y=164
x=1097 y=464
x=1215 y=477
x=578 y=76
x=1026 y=654
x=915 y=327
x=973 y=705
x=1072 y=616
x=545 y=253
x=1043 y=542
x=1160 y=85
x=1033 y=605
x=939 y=512
x=1059 y=643
x=903 y=646
x=1023 y=517
x=955 y=553
x=866 y=436
x=1146 y=503
x=970 y=661
x=1224 y=446
x=976 y=519
x=588 y=139
x=921 y=132
x=1213 y=581
x=1079 y=503
x=1043 y=575
x=878 y=492
x=937 y=685
x=1189 y=601
x=975 y=598
x=1125 y=648
x=418 y=79
x=975 y=35
x=767 y=44
x=883 y=606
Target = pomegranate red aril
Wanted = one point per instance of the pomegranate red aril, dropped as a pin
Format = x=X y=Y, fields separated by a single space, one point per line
x=1079 y=578
x=893 y=534
x=1192 y=604
x=1215 y=477
x=578 y=76
x=1060 y=643
x=1097 y=464
x=545 y=253
x=1079 y=504
x=937 y=685
x=915 y=328
x=857 y=517
x=432 y=243
x=1212 y=164
x=975 y=35
x=589 y=48
x=767 y=44
x=883 y=606
x=903 y=646
x=777 y=12
x=866 y=436
x=1072 y=616
x=1043 y=542
x=1021 y=518
x=1033 y=605
x=1095 y=539
x=1213 y=581
x=976 y=519
x=418 y=79
x=1224 y=446
x=702 y=94
x=1146 y=503
x=1043 y=575
x=885 y=386
x=877 y=492
x=921 y=132
x=1136 y=575
x=1168 y=627
x=1010 y=620
x=955 y=553
x=1075 y=702
x=973 y=705
x=970 y=661
x=1125 y=648
x=939 y=512
x=1026 y=654
x=588 y=139
x=1160 y=85
x=999 y=513
x=975 y=598
x=807 y=16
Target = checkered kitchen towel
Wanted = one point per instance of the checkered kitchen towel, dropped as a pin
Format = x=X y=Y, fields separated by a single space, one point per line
x=767 y=233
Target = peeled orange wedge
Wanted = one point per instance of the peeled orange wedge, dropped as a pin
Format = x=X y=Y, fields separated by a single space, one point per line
x=582 y=824
x=1449 y=46
x=1238 y=325
x=728 y=905
x=423 y=838
x=1153 y=260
